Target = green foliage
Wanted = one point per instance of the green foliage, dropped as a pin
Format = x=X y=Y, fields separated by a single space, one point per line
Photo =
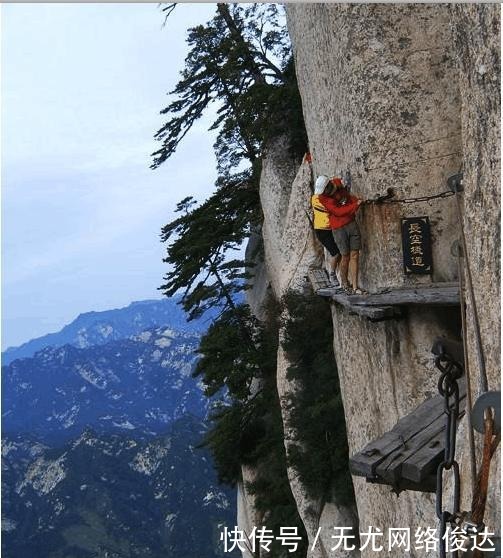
x=240 y=60
x=202 y=237
x=241 y=63
x=317 y=413
x=247 y=427
x=271 y=487
x=232 y=359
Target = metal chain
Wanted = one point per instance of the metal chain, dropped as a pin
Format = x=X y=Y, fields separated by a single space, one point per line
x=446 y=194
x=451 y=371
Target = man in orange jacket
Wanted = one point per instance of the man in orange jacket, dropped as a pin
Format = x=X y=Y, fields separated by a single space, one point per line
x=346 y=234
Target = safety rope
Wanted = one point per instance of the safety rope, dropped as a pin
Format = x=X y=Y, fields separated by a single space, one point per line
x=469 y=402
x=470 y=522
x=483 y=386
x=480 y=496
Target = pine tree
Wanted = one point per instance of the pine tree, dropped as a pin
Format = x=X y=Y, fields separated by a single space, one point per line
x=316 y=410
x=241 y=62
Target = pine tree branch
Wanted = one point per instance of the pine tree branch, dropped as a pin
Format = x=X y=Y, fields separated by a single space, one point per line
x=168 y=10
x=223 y=10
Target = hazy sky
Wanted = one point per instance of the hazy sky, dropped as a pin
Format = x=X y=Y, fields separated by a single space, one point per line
x=82 y=86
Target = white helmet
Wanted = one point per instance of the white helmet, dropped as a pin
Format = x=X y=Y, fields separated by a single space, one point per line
x=321 y=184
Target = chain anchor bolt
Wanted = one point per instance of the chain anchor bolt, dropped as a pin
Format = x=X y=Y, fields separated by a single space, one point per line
x=455 y=182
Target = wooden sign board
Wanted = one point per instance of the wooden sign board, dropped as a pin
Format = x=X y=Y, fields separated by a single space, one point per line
x=416 y=245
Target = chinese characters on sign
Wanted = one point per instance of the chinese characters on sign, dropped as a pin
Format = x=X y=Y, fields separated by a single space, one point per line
x=374 y=539
x=416 y=243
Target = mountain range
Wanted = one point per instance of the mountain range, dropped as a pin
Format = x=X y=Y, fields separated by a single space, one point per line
x=98 y=328
x=102 y=426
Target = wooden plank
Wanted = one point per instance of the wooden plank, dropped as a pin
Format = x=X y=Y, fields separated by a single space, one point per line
x=322 y=287
x=420 y=456
x=375 y=313
x=411 y=450
x=438 y=285
x=318 y=279
x=365 y=462
x=437 y=295
x=390 y=469
x=425 y=461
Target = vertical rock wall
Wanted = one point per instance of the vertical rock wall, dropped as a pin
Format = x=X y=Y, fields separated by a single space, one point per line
x=381 y=98
x=476 y=36
x=400 y=96
x=289 y=249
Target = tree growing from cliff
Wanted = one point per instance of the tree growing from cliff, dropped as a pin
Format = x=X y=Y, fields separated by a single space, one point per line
x=316 y=410
x=239 y=62
x=201 y=238
x=247 y=424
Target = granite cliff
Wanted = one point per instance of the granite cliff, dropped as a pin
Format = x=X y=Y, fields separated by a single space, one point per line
x=401 y=96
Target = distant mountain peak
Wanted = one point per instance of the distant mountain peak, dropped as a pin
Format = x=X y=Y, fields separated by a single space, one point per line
x=97 y=328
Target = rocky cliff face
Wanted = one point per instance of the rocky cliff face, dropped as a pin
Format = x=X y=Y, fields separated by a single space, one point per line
x=476 y=37
x=398 y=96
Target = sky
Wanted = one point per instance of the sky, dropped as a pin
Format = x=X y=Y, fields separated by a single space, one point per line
x=82 y=86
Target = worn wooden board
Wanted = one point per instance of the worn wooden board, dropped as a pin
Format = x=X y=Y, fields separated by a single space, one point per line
x=319 y=280
x=375 y=313
x=366 y=461
x=409 y=454
x=437 y=294
x=322 y=286
x=426 y=459
x=419 y=457
x=390 y=468
x=433 y=295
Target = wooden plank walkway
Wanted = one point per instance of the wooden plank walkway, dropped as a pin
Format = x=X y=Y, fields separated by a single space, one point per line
x=321 y=286
x=434 y=294
x=407 y=456
x=387 y=303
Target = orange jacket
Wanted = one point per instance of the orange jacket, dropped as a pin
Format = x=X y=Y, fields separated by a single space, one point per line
x=333 y=212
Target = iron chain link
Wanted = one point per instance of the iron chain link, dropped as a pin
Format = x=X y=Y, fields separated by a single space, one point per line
x=445 y=194
x=448 y=388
